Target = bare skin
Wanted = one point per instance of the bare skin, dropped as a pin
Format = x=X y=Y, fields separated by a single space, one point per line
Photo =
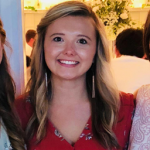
x=70 y=111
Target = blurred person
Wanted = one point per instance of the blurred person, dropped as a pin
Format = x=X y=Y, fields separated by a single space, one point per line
x=30 y=39
x=130 y=43
x=140 y=133
x=11 y=134
x=73 y=102
x=130 y=70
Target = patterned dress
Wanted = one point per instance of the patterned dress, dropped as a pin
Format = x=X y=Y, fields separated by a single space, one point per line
x=55 y=141
x=140 y=132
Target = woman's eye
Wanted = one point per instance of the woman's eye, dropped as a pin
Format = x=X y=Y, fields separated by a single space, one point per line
x=57 y=39
x=82 y=41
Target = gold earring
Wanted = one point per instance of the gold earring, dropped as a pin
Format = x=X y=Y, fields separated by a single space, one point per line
x=93 y=86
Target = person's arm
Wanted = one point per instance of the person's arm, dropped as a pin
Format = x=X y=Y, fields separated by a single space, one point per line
x=140 y=131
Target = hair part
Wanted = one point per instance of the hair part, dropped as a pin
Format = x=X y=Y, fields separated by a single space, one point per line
x=106 y=104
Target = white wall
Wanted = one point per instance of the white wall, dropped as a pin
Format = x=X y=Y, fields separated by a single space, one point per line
x=139 y=14
x=11 y=15
x=32 y=18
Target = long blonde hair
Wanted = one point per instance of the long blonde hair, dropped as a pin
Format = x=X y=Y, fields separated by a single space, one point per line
x=106 y=104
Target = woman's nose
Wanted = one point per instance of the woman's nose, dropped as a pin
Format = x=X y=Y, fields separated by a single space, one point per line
x=70 y=50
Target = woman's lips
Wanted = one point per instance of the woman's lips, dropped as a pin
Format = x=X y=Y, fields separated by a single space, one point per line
x=68 y=62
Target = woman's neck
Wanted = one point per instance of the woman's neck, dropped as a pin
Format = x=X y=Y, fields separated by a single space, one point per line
x=69 y=92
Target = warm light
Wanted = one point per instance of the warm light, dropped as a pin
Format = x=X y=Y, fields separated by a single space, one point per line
x=138 y=3
x=45 y=4
x=42 y=4
x=29 y=2
x=48 y=3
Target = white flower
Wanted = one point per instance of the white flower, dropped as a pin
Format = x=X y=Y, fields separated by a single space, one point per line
x=124 y=15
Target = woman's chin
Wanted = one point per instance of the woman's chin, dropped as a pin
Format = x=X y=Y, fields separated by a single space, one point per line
x=67 y=77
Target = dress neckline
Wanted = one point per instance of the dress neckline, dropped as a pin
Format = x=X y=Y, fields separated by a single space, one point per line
x=86 y=132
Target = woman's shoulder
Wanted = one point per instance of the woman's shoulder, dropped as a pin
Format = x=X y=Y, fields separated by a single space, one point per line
x=125 y=115
x=143 y=98
x=126 y=99
x=127 y=107
x=143 y=93
x=24 y=109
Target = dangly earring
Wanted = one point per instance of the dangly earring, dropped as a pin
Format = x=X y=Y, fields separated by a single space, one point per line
x=46 y=79
x=93 y=86
x=93 y=83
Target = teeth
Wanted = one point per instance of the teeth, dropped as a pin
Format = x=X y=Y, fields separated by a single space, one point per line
x=68 y=62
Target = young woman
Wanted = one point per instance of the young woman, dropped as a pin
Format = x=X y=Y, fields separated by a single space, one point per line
x=140 y=133
x=11 y=135
x=73 y=102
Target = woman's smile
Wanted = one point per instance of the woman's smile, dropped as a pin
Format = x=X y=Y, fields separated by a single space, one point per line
x=68 y=63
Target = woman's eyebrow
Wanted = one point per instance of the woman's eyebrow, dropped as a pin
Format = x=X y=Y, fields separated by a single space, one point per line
x=81 y=35
x=57 y=34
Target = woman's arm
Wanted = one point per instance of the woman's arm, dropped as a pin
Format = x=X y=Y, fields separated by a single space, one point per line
x=140 y=131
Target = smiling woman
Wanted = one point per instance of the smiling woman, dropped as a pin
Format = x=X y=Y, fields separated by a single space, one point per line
x=73 y=102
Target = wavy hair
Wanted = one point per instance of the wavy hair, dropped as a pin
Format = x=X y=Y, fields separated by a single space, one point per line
x=7 y=97
x=146 y=37
x=106 y=104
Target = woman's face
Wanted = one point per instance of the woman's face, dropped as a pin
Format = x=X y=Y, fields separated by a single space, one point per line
x=70 y=46
x=1 y=50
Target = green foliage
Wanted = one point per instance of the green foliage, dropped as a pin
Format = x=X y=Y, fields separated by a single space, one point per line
x=113 y=13
x=30 y=8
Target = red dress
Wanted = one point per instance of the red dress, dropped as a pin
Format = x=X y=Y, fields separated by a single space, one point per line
x=54 y=141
